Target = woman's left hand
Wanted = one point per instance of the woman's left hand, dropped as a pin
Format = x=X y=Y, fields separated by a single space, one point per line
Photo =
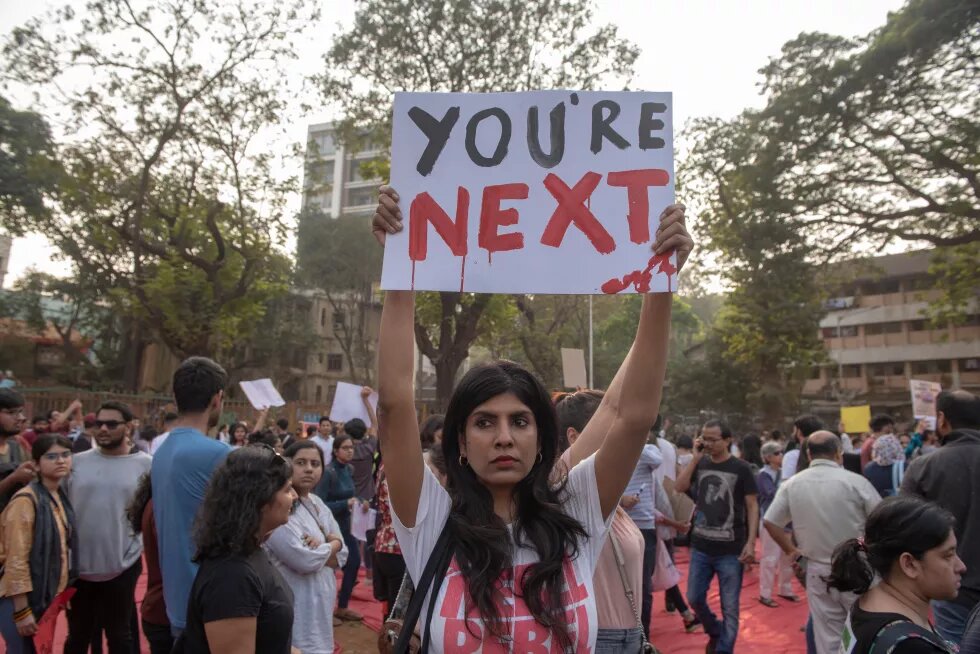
x=672 y=234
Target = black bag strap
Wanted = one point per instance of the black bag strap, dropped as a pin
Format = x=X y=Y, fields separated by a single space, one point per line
x=894 y=633
x=436 y=566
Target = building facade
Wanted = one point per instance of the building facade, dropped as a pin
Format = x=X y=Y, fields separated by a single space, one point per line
x=878 y=338
x=333 y=181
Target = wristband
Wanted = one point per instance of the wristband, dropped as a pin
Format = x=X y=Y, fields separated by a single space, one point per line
x=23 y=614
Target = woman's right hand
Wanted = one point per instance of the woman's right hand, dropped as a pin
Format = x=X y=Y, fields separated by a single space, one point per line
x=27 y=627
x=387 y=217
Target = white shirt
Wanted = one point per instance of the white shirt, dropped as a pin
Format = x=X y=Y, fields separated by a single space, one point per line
x=846 y=443
x=667 y=469
x=790 y=460
x=325 y=445
x=314 y=585
x=157 y=442
x=452 y=631
x=826 y=504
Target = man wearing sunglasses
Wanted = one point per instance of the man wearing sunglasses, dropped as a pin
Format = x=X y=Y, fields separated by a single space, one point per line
x=102 y=483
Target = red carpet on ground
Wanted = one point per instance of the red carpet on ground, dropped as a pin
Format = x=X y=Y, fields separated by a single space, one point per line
x=762 y=630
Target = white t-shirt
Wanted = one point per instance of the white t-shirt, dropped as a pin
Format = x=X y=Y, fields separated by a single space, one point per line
x=326 y=446
x=157 y=442
x=451 y=631
x=667 y=469
x=790 y=460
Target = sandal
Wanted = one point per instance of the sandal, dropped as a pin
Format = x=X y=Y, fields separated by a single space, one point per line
x=790 y=598
x=768 y=601
x=692 y=624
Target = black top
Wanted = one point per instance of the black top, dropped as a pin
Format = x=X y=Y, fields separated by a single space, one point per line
x=950 y=477
x=241 y=588
x=866 y=626
x=719 y=489
x=881 y=478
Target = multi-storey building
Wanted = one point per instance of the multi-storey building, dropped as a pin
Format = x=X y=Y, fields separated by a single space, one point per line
x=878 y=337
x=334 y=181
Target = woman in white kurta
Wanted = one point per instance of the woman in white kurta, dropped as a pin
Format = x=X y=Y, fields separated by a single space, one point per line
x=306 y=550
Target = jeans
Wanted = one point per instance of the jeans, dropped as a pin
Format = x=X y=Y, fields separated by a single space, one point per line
x=811 y=639
x=649 y=565
x=950 y=620
x=16 y=644
x=729 y=570
x=350 y=570
x=159 y=637
x=618 y=641
x=103 y=604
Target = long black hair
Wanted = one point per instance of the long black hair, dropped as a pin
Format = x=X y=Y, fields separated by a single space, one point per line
x=483 y=546
x=898 y=525
x=137 y=505
x=751 y=450
x=228 y=522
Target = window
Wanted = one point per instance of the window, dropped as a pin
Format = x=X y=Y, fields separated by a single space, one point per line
x=918 y=326
x=969 y=365
x=319 y=393
x=920 y=284
x=829 y=332
x=877 y=328
x=882 y=287
x=358 y=197
x=321 y=172
x=319 y=357
x=323 y=318
x=851 y=371
x=324 y=143
x=335 y=362
x=339 y=320
x=887 y=370
x=354 y=171
x=848 y=331
x=931 y=367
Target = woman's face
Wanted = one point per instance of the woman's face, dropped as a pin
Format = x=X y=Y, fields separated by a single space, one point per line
x=775 y=461
x=276 y=513
x=500 y=441
x=307 y=470
x=345 y=453
x=939 y=572
x=239 y=434
x=55 y=464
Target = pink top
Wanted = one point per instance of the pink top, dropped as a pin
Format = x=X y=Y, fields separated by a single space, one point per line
x=612 y=604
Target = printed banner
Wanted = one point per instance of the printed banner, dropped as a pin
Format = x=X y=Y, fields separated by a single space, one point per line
x=536 y=192
x=924 y=400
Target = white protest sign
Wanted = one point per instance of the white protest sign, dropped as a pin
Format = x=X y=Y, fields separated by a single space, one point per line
x=347 y=404
x=262 y=394
x=924 y=395
x=573 y=368
x=535 y=192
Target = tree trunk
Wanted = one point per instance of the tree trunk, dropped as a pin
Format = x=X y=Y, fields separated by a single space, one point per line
x=446 y=369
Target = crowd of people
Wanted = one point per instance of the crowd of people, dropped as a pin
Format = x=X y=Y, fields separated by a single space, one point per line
x=518 y=521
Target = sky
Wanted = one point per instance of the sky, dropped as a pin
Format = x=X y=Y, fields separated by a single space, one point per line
x=707 y=53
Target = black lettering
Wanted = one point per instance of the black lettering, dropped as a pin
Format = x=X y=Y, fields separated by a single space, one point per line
x=650 y=124
x=557 y=121
x=602 y=128
x=437 y=131
x=502 y=144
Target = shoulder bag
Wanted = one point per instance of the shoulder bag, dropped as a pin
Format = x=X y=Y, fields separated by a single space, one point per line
x=646 y=647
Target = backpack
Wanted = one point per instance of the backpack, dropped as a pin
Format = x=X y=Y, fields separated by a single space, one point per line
x=891 y=635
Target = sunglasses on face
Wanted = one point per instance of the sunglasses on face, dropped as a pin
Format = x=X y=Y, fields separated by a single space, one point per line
x=108 y=424
x=56 y=456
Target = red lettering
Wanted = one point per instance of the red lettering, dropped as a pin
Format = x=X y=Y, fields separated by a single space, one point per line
x=492 y=218
x=637 y=182
x=571 y=207
x=425 y=210
x=457 y=636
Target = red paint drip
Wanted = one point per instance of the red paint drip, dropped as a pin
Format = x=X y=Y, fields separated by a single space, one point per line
x=640 y=279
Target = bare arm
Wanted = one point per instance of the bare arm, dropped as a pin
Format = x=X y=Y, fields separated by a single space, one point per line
x=752 y=515
x=234 y=635
x=683 y=483
x=782 y=538
x=260 y=423
x=372 y=415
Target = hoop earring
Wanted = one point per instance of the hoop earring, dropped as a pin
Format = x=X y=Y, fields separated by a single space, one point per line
x=463 y=461
x=540 y=457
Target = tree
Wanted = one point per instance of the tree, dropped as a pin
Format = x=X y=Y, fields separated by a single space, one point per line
x=547 y=324
x=342 y=259
x=769 y=323
x=463 y=46
x=873 y=139
x=170 y=201
x=28 y=167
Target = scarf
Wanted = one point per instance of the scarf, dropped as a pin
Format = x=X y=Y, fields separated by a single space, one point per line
x=46 y=548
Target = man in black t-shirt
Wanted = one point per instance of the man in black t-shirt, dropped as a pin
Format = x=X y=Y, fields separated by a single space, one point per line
x=723 y=530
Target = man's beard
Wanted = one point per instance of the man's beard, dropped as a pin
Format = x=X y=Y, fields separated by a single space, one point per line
x=114 y=443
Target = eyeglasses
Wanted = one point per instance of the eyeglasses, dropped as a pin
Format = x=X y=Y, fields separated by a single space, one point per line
x=277 y=457
x=109 y=424
x=56 y=456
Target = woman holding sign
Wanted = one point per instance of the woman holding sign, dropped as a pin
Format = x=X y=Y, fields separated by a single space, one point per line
x=511 y=554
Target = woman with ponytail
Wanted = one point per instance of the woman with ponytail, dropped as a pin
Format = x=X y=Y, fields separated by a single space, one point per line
x=909 y=546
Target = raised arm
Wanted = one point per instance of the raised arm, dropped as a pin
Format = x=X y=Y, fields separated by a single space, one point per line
x=372 y=415
x=638 y=398
x=398 y=427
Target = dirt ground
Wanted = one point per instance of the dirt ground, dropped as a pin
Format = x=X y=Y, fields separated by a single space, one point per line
x=355 y=638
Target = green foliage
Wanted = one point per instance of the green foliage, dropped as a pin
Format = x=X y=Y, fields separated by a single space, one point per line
x=28 y=167
x=170 y=206
x=341 y=258
x=463 y=46
x=955 y=272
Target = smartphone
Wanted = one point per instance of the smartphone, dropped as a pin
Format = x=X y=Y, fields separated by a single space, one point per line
x=800 y=569
x=699 y=445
